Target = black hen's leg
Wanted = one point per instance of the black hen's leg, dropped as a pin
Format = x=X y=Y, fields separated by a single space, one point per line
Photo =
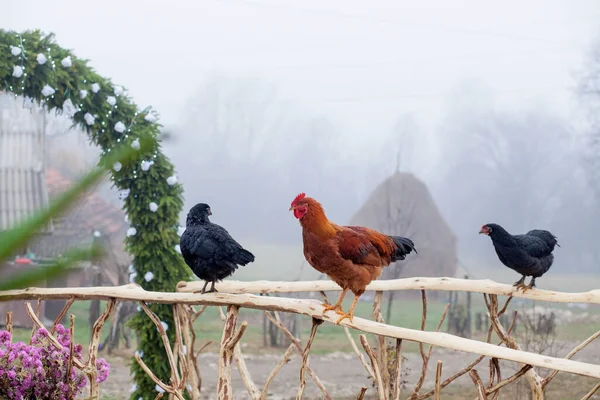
x=520 y=284
x=212 y=288
x=203 y=288
x=520 y=281
x=531 y=284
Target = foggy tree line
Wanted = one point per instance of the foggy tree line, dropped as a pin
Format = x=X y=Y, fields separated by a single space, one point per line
x=249 y=151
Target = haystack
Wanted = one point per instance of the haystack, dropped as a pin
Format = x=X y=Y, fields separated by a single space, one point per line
x=402 y=205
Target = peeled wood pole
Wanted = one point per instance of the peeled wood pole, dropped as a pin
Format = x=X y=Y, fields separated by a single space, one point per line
x=448 y=284
x=228 y=341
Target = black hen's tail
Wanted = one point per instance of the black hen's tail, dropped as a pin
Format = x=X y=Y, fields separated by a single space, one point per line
x=243 y=257
x=404 y=247
x=546 y=236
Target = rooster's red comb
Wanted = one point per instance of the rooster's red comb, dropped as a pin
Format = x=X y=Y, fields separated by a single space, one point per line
x=298 y=198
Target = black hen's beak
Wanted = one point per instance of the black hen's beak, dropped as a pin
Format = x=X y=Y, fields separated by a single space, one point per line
x=209 y=212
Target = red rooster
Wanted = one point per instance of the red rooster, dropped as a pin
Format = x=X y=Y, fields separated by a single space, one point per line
x=351 y=256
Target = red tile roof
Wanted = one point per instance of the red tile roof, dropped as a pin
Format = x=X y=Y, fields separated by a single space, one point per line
x=92 y=212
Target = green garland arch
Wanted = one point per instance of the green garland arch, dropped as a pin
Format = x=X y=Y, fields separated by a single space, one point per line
x=32 y=65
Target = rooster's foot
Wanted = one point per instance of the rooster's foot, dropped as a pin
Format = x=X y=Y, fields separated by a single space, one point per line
x=334 y=307
x=343 y=316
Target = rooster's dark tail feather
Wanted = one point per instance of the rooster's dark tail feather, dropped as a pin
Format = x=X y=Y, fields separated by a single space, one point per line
x=404 y=247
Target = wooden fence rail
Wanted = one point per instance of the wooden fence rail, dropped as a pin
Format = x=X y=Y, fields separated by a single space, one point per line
x=447 y=284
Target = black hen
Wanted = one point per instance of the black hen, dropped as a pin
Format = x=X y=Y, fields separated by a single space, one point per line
x=529 y=254
x=209 y=250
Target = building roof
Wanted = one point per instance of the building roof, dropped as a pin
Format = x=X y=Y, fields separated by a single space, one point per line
x=22 y=187
x=77 y=226
x=402 y=205
x=91 y=213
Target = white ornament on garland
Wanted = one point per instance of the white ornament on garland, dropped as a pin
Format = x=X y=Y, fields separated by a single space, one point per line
x=131 y=231
x=83 y=94
x=15 y=50
x=180 y=230
x=178 y=248
x=148 y=276
x=126 y=218
x=117 y=166
x=112 y=100
x=131 y=268
x=150 y=117
x=165 y=327
x=158 y=388
x=68 y=108
x=153 y=207
x=119 y=126
x=89 y=119
x=132 y=277
x=146 y=165
x=28 y=102
x=66 y=62
x=17 y=71
x=118 y=90
x=97 y=234
x=172 y=180
x=41 y=59
x=123 y=194
x=136 y=144
x=95 y=87
x=48 y=90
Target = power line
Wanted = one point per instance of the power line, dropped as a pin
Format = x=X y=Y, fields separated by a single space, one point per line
x=346 y=65
x=391 y=96
x=397 y=23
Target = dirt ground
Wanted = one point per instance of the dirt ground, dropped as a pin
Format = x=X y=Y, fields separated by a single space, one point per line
x=343 y=375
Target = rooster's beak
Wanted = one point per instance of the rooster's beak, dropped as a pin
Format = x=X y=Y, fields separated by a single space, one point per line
x=481 y=231
x=291 y=209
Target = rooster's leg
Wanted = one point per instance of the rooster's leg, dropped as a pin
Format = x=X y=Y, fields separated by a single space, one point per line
x=520 y=284
x=350 y=313
x=203 y=288
x=337 y=307
x=531 y=285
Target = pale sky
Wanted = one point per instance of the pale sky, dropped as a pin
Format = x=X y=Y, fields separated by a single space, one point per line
x=363 y=63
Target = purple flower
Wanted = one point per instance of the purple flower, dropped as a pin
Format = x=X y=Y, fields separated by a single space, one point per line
x=5 y=337
x=103 y=368
x=40 y=370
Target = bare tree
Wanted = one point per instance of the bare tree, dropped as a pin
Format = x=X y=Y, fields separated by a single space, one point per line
x=240 y=137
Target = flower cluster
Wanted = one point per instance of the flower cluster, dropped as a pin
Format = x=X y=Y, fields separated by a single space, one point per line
x=40 y=370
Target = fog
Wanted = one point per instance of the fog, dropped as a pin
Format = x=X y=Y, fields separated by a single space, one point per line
x=493 y=106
